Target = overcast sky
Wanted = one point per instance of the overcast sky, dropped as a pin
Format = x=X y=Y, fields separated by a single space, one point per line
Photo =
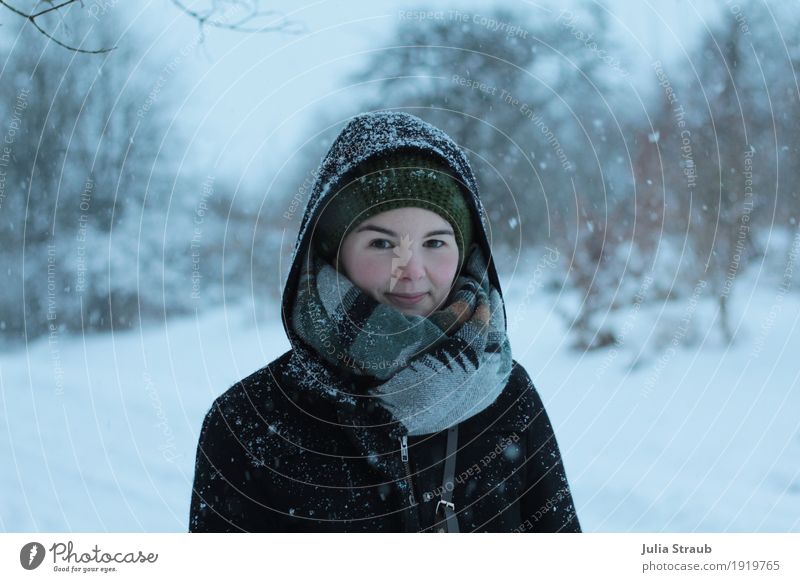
x=254 y=94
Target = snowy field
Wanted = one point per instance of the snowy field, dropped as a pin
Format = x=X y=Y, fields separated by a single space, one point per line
x=98 y=433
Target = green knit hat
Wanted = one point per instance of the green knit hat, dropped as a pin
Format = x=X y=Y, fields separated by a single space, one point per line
x=397 y=180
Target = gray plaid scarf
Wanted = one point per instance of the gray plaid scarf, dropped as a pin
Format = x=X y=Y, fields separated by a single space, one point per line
x=437 y=370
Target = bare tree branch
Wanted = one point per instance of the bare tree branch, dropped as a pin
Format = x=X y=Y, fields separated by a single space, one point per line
x=56 y=7
x=32 y=19
x=235 y=15
x=212 y=17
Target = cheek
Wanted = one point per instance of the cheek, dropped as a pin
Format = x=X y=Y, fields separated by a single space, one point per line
x=443 y=270
x=368 y=271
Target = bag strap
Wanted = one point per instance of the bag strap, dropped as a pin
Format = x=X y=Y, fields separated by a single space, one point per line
x=445 y=505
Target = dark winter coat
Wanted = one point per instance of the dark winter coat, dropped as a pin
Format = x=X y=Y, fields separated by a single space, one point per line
x=281 y=451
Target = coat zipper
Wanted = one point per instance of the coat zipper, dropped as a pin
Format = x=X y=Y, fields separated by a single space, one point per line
x=404 y=458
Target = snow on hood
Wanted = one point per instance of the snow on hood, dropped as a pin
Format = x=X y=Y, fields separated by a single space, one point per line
x=363 y=137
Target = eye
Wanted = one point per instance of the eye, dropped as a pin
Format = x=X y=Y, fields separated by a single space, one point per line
x=434 y=243
x=380 y=243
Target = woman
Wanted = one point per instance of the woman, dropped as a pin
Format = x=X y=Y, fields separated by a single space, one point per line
x=399 y=407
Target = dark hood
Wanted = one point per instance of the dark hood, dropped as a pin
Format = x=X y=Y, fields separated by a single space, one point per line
x=365 y=136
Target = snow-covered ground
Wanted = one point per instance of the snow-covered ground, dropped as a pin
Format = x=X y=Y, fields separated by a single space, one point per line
x=98 y=433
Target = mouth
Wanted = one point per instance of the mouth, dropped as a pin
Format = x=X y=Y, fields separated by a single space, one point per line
x=406 y=298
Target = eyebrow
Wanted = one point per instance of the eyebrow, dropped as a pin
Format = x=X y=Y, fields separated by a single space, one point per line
x=388 y=232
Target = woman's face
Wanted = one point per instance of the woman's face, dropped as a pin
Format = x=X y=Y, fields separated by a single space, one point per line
x=406 y=258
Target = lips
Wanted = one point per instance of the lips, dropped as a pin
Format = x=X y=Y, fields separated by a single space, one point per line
x=406 y=298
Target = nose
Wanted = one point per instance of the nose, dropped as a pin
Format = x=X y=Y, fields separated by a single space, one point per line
x=413 y=268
